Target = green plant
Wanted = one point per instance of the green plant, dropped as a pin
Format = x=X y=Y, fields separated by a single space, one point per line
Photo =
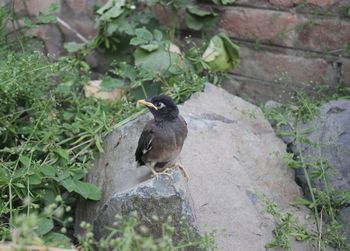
x=128 y=234
x=325 y=202
x=50 y=131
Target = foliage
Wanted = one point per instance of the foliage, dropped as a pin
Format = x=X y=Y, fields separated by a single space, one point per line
x=49 y=133
x=49 y=130
x=224 y=2
x=324 y=203
x=221 y=54
x=128 y=234
x=198 y=19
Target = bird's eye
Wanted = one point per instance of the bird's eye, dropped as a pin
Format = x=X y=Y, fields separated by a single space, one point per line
x=160 y=105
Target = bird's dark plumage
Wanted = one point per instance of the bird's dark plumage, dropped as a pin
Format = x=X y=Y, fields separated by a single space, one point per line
x=162 y=138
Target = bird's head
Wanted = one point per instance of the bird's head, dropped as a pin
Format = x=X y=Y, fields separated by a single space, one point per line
x=162 y=107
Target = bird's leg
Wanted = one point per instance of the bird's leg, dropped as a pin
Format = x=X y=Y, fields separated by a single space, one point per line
x=183 y=170
x=155 y=173
x=181 y=167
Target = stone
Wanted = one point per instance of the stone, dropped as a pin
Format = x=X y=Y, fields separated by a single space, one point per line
x=330 y=139
x=345 y=72
x=233 y=158
x=153 y=201
x=93 y=88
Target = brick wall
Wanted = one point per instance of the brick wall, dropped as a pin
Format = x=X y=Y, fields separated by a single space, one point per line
x=287 y=45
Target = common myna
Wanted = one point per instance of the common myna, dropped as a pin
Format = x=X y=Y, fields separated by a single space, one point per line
x=162 y=138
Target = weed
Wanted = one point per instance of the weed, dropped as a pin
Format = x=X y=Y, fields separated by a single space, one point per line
x=323 y=201
x=50 y=132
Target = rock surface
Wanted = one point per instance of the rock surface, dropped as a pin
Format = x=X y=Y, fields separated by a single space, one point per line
x=233 y=158
x=330 y=137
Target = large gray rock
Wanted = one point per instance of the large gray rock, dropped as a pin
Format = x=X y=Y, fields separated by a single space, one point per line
x=330 y=140
x=233 y=158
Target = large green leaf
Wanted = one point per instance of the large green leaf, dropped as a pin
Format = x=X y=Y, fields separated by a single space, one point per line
x=223 y=2
x=158 y=61
x=45 y=225
x=112 y=9
x=68 y=184
x=221 y=54
x=197 y=18
x=109 y=83
x=58 y=240
x=87 y=190
x=73 y=46
x=34 y=179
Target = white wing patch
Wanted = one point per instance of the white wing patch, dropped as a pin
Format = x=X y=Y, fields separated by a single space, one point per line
x=148 y=147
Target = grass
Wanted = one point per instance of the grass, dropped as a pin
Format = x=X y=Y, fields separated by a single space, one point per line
x=50 y=132
x=322 y=202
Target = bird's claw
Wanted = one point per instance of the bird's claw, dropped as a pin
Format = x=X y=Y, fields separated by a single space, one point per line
x=183 y=170
x=157 y=174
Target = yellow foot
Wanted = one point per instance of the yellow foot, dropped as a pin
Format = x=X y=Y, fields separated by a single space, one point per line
x=157 y=174
x=183 y=170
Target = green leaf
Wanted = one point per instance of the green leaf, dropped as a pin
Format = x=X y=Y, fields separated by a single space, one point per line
x=112 y=9
x=54 y=7
x=68 y=184
x=98 y=143
x=79 y=174
x=45 y=225
x=24 y=160
x=29 y=22
x=87 y=190
x=57 y=240
x=105 y=7
x=62 y=175
x=72 y=47
x=62 y=153
x=195 y=10
x=197 y=18
x=65 y=87
x=158 y=35
x=46 y=19
x=143 y=36
x=20 y=172
x=150 y=47
x=109 y=83
x=221 y=54
x=223 y=2
x=34 y=179
x=158 y=61
x=300 y=201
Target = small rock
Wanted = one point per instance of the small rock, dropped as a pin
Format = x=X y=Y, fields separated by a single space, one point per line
x=93 y=88
x=154 y=201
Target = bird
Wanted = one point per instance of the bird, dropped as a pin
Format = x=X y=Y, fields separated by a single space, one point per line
x=162 y=138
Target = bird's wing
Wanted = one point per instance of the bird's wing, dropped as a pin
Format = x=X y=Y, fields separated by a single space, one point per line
x=145 y=142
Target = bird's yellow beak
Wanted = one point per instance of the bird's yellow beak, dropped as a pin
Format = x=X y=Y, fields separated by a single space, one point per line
x=149 y=104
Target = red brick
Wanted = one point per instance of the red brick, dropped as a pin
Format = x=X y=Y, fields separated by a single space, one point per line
x=284 y=3
x=265 y=25
x=282 y=68
x=325 y=34
x=286 y=29
x=78 y=5
x=345 y=72
x=291 y=3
